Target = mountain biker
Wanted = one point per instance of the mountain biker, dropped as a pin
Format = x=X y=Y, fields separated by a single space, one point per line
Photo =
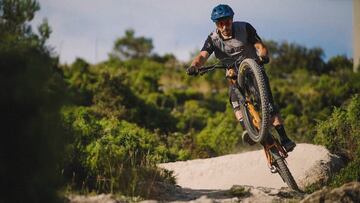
x=237 y=40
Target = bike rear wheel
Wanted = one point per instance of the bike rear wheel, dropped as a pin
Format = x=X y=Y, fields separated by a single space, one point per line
x=256 y=112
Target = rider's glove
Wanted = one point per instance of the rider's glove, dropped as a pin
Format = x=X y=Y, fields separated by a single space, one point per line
x=192 y=70
x=264 y=60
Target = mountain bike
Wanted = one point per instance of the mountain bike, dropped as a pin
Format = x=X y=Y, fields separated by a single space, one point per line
x=253 y=93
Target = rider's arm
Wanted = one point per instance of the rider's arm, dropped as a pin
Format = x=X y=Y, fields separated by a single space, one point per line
x=261 y=49
x=204 y=54
x=200 y=59
x=254 y=39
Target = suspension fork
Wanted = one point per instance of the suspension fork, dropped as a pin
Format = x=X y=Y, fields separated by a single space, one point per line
x=255 y=115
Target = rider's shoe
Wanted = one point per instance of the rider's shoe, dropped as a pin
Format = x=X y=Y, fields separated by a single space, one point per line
x=246 y=138
x=288 y=144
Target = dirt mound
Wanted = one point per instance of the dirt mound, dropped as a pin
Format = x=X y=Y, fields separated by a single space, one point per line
x=308 y=163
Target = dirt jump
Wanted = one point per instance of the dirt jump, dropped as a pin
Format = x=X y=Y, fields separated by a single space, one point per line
x=308 y=164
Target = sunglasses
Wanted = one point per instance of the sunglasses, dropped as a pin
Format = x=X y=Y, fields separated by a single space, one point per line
x=225 y=22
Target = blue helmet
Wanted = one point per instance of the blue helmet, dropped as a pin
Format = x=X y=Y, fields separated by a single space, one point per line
x=221 y=11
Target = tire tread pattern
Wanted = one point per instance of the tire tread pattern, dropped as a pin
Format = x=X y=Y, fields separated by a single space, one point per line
x=264 y=89
x=285 y=174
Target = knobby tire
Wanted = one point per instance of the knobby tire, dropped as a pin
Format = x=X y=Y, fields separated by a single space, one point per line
x=263 y=91
x=285 y=174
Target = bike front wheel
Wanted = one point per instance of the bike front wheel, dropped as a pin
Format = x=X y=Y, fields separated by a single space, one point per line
x=255 y=111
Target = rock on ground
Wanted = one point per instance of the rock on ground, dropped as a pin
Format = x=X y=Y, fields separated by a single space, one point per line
x=349 y=192
x=235 y=194
x=102 y=198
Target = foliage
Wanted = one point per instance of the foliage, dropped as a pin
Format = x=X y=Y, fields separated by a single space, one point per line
x=287 y=57
x=305 y=98
x=15 y=16
x=191 y=116
x=239 y=191
x=340 y=134
x=348 y=174
x=31 y=95
x=220 y=135
x=131 y=47
x=110 y=155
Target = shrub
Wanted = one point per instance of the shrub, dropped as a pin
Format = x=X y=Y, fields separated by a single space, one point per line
x=220 y=136
x=109 y=155
x=341 y=135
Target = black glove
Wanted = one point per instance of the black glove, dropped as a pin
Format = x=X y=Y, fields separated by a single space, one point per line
x=192 y=70
x=264 y=60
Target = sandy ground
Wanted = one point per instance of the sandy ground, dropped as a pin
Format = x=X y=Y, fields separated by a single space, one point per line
x=249 y=168
x=209 y=180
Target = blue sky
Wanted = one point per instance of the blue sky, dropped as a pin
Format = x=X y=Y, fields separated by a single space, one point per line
x=88 y=28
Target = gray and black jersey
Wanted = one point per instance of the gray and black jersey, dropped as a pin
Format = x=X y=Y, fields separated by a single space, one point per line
x=240 y=46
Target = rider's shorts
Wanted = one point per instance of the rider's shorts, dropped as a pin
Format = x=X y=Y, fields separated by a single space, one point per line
x=234 y=101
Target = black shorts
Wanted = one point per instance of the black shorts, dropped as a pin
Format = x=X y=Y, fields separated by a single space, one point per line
x=234 y=101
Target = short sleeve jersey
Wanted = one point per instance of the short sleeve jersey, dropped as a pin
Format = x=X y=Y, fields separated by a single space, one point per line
x=240 y=46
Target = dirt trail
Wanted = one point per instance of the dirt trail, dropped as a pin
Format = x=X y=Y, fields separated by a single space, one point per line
x=308 y=163
x=213 y=180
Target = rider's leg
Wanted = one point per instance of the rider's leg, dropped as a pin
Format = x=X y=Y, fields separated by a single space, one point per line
x=236 y=107
x=239 y=117
x=245 y=135
x=277 y=122
x=234 y=101
x=279 y=127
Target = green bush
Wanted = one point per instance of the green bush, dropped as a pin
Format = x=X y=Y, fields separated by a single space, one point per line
x=32 y=92
x=220 y=136
x=111 y=155
x=191 y=116
x=340 y=133
x=348 y=174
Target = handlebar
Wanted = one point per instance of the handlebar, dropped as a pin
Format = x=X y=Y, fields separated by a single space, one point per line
x=228 y=63
x=205 y=69
x=225 y=63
